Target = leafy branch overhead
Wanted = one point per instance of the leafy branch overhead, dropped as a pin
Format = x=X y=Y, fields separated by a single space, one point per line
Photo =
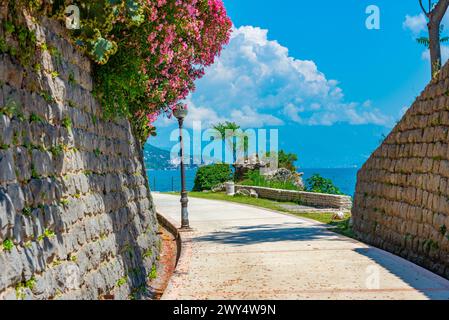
x=148 y=53
x=169 y=51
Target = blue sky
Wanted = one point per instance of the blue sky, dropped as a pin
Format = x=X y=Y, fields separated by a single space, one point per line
x=314 y=71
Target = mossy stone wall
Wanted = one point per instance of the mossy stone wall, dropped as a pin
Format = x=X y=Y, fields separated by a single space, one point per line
x=76 y=216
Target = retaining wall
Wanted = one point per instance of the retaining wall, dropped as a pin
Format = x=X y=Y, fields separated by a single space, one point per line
x=319 y=200
x=402 y=195
x=76 y=216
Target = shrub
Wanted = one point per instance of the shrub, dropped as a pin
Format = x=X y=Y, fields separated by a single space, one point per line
x=254 y=178
x=317 y=183
x=208 y=177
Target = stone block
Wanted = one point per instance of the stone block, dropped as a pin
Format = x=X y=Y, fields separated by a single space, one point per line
x=12 y=268
x=6 y=131
x=42 y=163
x=7 y=213
x=7 y=167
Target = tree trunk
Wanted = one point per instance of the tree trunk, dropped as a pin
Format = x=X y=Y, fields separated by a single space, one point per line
x=435 y=48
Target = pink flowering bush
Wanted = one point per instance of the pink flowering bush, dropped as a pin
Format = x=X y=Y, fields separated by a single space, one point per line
x=158 y=61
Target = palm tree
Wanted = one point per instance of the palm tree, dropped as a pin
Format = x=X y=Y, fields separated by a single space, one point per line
x=229 y=130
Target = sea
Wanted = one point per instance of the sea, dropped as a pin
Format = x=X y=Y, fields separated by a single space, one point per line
x=169 y=180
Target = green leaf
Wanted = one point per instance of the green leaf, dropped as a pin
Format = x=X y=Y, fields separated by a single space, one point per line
x=424 y=41
x=102 y=50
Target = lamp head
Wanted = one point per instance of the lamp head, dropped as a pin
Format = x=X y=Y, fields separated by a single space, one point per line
x=180 y=111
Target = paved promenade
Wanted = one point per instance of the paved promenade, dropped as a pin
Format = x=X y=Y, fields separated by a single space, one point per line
x=242 y=252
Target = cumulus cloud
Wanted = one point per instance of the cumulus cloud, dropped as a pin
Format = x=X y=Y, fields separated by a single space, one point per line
x=249 y=117
x=416 y=24
x=255 y=82
x=292 y=112
x=207 y=116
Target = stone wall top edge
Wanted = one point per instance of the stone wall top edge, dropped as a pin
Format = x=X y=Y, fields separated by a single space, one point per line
x=296 y=192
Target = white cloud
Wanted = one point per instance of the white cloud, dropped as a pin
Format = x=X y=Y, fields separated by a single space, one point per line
x=367 y=104
x=256 y=83
x=248 y=117
x=200 y=113
x=416 y=24
x=292 y=112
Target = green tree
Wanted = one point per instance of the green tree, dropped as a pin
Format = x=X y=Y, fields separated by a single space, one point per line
x=434 y=14
x=318 y=184
x=209 y=176
x=287 y=160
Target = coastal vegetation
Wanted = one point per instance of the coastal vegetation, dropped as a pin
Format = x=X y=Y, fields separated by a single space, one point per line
x=317 y=183
x=210 y=176
x=285 y=177
x=254 y=178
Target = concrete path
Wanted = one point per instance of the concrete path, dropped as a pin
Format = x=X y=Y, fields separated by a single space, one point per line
x=242 y=252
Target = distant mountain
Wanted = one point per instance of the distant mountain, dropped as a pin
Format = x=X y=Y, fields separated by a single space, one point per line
x=159 y=159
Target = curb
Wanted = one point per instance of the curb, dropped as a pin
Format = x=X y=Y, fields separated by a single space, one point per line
x=184 y=247
x=174 y=231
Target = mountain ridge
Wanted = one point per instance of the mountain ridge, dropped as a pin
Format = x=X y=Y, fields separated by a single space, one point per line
x=160 y=159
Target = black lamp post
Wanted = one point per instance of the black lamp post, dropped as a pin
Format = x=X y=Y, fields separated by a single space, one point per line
x=180 y=112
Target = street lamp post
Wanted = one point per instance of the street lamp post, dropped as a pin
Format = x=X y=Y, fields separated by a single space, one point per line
x=180 y=112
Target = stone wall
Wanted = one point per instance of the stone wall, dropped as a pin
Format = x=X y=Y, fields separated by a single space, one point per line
x=402 y=197
x=76 y=216
x=319 y=200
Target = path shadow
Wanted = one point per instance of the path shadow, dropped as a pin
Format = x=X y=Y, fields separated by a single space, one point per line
x=246 y=235
x=429 y=284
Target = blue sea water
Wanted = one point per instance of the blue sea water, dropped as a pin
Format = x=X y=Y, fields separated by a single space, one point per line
x=161 y=180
